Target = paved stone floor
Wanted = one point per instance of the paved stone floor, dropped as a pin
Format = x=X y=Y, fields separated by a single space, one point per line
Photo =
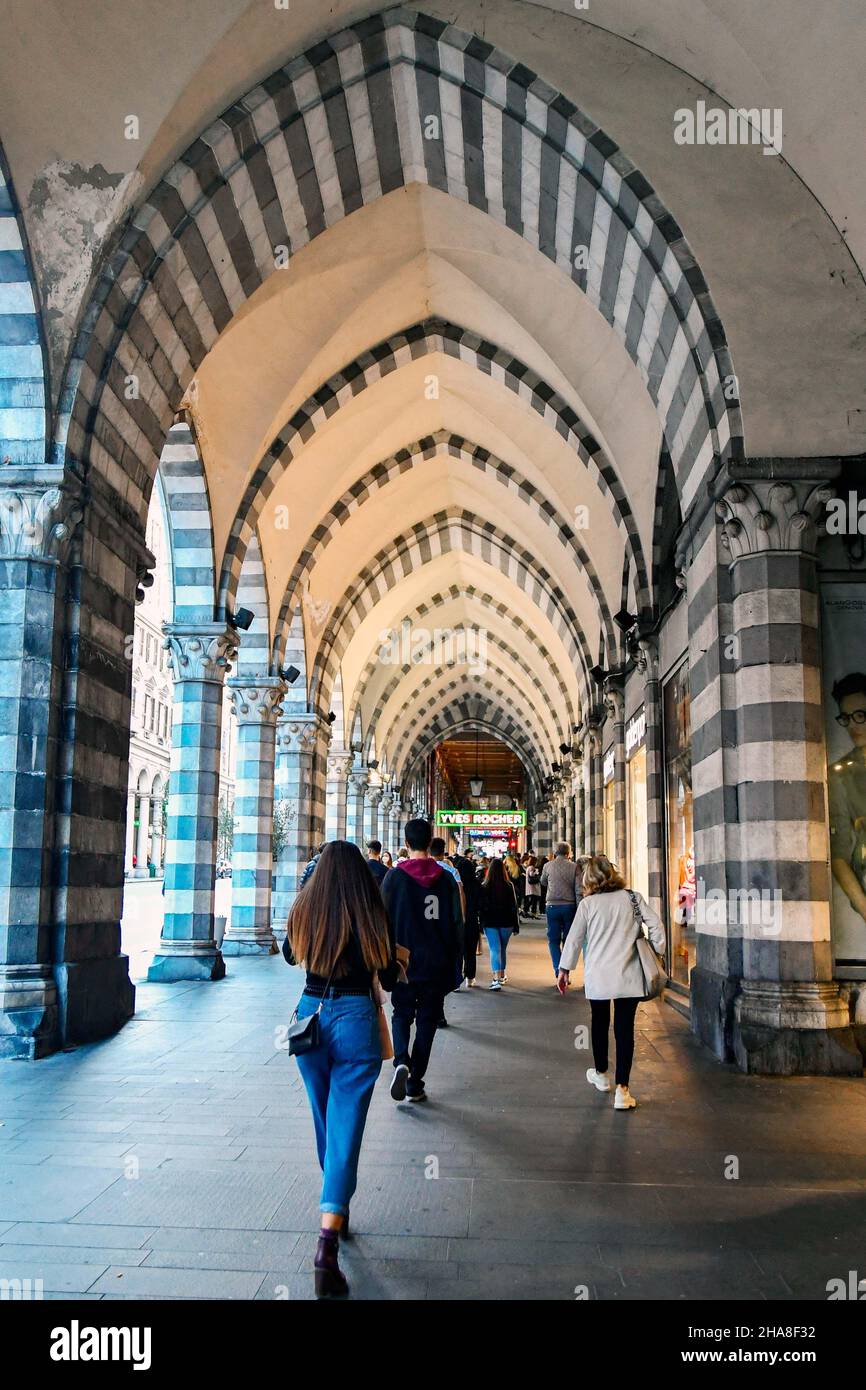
x=176 y=1161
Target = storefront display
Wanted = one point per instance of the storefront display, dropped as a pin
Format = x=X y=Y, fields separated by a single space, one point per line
x=636 y=802
x=843 y=620
x=682 y=886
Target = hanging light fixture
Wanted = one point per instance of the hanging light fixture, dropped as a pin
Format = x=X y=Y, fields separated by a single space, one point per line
x=476 y=783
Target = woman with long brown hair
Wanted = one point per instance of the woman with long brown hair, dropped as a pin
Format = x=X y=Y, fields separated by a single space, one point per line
x=338 y=929
x=497 y=913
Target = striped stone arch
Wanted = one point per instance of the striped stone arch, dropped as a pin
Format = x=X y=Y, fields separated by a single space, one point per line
x=23 y=371
x=457 y=717
x=254 y=653
x=504 y=687
x=337 y=128
x=438 y=445
x=449 y=530
x=190 y=529
x=529 y=678
x=433 y=335
x=469 y=591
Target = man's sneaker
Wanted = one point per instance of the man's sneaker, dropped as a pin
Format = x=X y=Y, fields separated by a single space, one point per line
x=416 y=1096
x=624 y=1100
x=503 y=979
x=398 y=1082
x=599 y=1079
x=494 y=984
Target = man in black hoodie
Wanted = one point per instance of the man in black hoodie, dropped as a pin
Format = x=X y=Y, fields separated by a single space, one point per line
x=423 y=905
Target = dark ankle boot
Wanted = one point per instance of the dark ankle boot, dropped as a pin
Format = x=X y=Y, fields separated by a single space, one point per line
x=330 y=1281
x=345 y=1233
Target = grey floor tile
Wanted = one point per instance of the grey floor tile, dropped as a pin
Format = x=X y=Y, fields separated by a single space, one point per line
x=141 y=1281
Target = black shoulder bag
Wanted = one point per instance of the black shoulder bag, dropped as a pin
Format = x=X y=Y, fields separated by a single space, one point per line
x=304 y=1034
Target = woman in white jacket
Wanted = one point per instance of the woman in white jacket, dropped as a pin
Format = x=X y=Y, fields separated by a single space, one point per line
x=606 y=929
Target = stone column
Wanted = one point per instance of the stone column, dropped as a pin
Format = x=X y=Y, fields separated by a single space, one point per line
x=764 y=939
x=648 y=664
x=595 y=752
x=302 y=739
x=141 y=836
x=157 y=831
x=200 y=655
x=542 y=835
x=397 y=822
x=130 y=833
x=336 y=795
x=615 y=707
x=256 y=706
x=357 y=794
x=374 y=797
x=37 y=519
x=385 y=819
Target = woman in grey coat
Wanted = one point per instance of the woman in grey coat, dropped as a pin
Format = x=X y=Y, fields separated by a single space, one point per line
x=605 y=928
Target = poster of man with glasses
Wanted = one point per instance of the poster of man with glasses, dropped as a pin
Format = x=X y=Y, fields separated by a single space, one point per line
x=844 y=633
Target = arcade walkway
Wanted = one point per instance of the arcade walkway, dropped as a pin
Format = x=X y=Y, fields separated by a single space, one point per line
x=541 y=1186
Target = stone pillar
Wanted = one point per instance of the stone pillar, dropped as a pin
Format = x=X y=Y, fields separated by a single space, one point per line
x=141 y=837
x=336 y=795
x=256 y=706
x=302 y=740
x=130 y=833
x=542 y=835
x=648 y=664
x=37 y=518
x=764 y=939
x=385 y=819
x=357 y=794
x=200 y=654
x=157 y=832
x=397 y=823
x=374 y=797
x=615 y=707
x=595 y=751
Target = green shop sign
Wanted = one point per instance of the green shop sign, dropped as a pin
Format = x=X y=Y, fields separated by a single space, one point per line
x=480 y=820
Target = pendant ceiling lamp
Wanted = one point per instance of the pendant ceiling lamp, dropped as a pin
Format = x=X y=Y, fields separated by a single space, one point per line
x=476 y=784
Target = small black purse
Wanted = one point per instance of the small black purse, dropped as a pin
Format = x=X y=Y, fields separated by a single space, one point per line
x=303 y=1034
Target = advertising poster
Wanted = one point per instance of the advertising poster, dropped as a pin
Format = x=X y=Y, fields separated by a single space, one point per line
x=844 y=640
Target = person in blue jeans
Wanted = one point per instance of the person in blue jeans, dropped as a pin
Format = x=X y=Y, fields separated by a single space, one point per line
x=498 y=915
x=561 y=878
x=339 y=931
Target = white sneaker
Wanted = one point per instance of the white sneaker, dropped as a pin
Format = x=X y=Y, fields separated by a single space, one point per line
x=494 y=984
x=470 y=984
x=599 y=1079
x=503 y=979
x=624 y=1100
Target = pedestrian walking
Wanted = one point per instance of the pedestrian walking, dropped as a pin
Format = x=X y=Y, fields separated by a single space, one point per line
x=471 y=890
x=559 y=878
x=339 y=931
x=423 y=905
x=532 y=900
x=374 y=860
x=606 y=927
x=497 y=908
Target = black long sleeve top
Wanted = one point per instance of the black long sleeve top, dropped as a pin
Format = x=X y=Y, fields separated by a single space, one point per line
x=351 y=975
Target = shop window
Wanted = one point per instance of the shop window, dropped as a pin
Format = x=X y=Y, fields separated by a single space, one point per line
x=680 y=826
x=636 y=803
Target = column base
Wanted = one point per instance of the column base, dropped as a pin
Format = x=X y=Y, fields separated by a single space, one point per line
x=711 y=1005
x=792 y=1028
x=186 y=960
x=96 y=997
x=29 y=1014
x=261 y=944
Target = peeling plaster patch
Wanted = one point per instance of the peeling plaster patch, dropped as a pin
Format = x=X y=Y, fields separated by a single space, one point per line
x=71 y=211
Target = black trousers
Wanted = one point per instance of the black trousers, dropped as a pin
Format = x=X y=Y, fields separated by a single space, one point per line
x=470 y=946
x=422 y=1005
x=624 y=1011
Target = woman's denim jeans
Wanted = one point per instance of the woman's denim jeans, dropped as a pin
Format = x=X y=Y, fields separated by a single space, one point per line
x=497 y=940
x=339 y=1076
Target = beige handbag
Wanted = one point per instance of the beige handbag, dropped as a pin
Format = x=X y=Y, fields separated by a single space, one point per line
x=655 y=976
x=382 y=1020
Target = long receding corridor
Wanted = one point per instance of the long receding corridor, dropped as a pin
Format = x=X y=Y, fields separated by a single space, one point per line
x=450 y=414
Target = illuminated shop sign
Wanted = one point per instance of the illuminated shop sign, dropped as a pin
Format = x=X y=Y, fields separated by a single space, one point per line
x=480 y=820
x=635 y=733
x=609 y=764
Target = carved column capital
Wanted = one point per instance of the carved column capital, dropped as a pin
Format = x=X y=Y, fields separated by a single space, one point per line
x=299 y=733
x=614 y=699
x=256 y=701
x=772 y=514
x=358 y=781
x=38 y=515
x=375 y=794
x=647 y=658
x=339 y=765
x=200 y=651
